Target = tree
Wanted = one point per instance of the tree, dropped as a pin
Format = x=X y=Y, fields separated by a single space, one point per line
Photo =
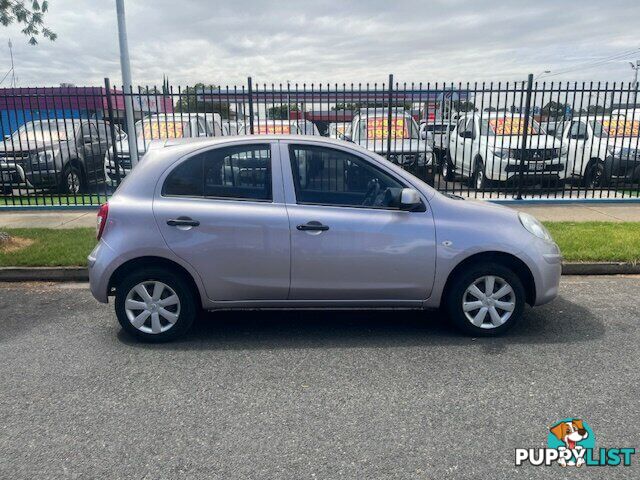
x=281 y=112
x=555 y=109
x=192 y=100
x=15 y=11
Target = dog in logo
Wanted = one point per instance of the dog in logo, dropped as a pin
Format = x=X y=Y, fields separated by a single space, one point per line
x=570 y=433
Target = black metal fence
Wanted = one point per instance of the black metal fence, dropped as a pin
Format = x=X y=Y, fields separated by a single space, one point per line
x=492 y=140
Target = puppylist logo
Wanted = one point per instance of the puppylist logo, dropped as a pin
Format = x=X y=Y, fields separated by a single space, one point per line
x=571 y=443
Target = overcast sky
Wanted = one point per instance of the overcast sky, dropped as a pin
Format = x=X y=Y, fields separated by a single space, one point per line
x=223 y=42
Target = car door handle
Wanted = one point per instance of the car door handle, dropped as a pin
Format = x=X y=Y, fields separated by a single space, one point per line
x=313 y=226
x=183 y=222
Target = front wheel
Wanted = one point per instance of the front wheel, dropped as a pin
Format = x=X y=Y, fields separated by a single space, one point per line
x=155 y=305
x=71 y=182
x=594 y=176
x=479 y=178
x=485 y=300
x=447 y=168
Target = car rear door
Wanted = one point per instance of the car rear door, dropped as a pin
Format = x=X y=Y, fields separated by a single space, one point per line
x=222 y=211
x=347 y=244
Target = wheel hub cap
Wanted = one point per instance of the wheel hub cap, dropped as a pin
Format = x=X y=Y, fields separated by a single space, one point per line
x=152 y=307
x=488 y=302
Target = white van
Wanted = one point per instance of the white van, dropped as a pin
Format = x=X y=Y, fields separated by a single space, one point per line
x=487 y=148
x=603 y=148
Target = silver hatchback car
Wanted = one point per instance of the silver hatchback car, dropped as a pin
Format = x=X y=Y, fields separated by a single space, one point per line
x=307 y=222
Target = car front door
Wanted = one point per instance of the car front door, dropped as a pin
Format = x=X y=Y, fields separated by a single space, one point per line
x=222 y=211
x=576 y=138
x=350 y=243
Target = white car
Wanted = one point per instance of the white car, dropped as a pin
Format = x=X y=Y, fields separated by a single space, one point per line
x=602 y=149
x=151 y=129
x=370 y=129
x=339 y=129
x=487 y=148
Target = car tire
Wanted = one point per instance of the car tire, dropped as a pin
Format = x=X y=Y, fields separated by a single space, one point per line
x=479 y=179
x=494 y=315
x=594 y=174
x=447 y=168
x=72 y=181
x=6 y=190
x=166 y=312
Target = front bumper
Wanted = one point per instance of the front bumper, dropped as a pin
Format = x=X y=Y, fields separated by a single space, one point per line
x=545 y=264
x=534 y=172
x=622 y=167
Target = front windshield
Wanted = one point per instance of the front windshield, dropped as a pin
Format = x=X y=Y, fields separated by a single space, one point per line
x=43 y=132
x=162 y=129
x=616 y=127
x=401 y=128
x=508 y=126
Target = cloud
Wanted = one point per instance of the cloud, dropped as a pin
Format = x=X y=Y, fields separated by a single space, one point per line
x=322 y=41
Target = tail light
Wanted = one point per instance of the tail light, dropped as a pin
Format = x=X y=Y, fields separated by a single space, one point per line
x=101 y=221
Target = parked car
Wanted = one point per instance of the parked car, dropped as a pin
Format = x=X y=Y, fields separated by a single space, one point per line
x=151 y=129
x=339 y=130
x=216 y=127
x=603 y=149
x=370 y=129
x=436 y=133
x=487 y=148
x=65 y=154
x=307 y=222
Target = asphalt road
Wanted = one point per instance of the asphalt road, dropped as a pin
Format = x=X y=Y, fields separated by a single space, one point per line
x=312 y=394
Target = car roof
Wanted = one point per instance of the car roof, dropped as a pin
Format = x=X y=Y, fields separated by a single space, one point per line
x=201 y=141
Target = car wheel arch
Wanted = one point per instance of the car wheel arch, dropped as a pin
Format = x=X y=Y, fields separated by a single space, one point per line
x=508 y=260
x=152 y=261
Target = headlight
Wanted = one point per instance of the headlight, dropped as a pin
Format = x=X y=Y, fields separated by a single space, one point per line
x=500 y=153
x=533 y=226
x=613 y=150
x=44 y=158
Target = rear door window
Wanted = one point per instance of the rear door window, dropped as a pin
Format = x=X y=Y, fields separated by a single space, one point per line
x=240 y=172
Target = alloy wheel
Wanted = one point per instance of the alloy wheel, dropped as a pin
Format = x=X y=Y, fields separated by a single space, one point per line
x=488 y=302
x=73 y=182
x=152 y=307
x=479 y=178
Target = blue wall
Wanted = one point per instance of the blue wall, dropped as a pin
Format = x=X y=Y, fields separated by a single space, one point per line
x=11 y=120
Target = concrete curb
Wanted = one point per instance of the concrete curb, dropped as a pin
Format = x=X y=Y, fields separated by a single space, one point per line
x=80 y=274
x=44 y=274
x=600 y=268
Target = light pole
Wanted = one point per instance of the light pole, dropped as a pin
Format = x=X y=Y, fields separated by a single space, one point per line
x=127 y=86
x=636 y=67
x=542 y=73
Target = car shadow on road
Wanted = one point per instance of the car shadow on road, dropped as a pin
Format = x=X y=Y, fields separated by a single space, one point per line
x=562 y=321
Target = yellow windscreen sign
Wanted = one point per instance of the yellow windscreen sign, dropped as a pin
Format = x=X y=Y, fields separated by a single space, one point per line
x=621 y=128
x=162 y=130
x=509 y=126
x=378 y=128
x=279 y=129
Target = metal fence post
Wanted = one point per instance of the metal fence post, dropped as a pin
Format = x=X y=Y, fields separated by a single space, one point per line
x=112 y=127
x=525 y=133
x=250 y=92
x=389 y=117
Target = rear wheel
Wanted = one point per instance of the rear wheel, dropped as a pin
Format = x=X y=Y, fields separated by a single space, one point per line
x=155 y=305
x=485 y=300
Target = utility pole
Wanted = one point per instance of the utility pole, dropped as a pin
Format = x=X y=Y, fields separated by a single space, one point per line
x=127 y=86
x=13 y=70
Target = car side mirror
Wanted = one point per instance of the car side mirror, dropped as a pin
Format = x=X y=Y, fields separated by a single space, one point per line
x=467 y=134
x=410 y=200
x=423 y=135
x=578 y=136
x=87 y=139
